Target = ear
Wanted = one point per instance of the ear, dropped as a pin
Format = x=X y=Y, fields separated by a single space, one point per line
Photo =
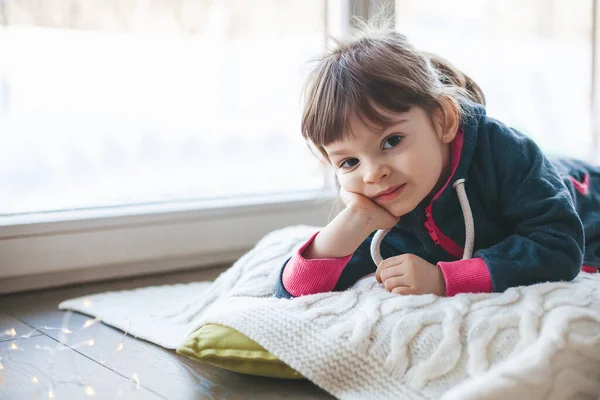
x=448 y=120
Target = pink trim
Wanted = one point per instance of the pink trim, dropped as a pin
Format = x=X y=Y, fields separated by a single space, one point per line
x=466 y=276
x=435 y=233
x=587 y=268
x=442 y=240
x=456 y=149
x=301 y=276
x=582 y=187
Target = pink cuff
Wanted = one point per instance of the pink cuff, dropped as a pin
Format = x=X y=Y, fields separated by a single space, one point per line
x=301 y=276
x=587 y=268
x=466 y=276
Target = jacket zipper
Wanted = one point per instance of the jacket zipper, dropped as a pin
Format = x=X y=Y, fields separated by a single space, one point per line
x=439 y=238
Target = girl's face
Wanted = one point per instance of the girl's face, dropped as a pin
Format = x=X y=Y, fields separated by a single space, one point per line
x=398 y=167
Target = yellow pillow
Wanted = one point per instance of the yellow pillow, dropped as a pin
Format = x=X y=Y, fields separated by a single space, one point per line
x=227 y=348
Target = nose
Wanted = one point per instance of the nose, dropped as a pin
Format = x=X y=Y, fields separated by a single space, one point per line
x=375 y=172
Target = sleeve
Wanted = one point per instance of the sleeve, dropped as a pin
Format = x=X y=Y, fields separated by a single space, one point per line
x=546 y=241
x=301 y=277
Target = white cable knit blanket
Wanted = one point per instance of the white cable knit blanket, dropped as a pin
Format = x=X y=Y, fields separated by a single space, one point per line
x=537 y=342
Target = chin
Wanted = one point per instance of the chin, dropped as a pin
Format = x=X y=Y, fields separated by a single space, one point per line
x=403 y=208
x=398 y=211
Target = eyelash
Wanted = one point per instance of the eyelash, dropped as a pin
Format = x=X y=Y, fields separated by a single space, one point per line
x=341 y=165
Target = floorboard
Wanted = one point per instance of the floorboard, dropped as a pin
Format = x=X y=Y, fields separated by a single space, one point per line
x=114 y=363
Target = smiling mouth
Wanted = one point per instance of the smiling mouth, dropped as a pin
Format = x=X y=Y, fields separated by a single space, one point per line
x=390 y=193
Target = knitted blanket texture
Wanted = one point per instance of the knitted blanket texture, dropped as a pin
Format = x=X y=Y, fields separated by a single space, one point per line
x=536 y=342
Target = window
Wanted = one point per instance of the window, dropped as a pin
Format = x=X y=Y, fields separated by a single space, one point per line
x=532 y=59
x=141 y=136
x=114 y=102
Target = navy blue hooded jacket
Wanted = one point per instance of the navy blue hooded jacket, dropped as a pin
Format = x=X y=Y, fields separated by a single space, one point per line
x=527 y=212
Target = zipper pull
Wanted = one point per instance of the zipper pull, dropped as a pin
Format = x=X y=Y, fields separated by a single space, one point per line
x=432 y=233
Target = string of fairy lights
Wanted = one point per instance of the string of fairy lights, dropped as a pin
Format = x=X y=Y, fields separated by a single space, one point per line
x=6 y=360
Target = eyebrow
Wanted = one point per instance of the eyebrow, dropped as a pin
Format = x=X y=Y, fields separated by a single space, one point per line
x=337 y=153
x=393 y=123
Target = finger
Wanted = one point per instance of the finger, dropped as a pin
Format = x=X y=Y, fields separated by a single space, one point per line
x=378 y=274
x=348 y=197
x=391 y=272
x=394 y=282
x=404 y=290
x=344 y=196
x=385 y=264
x=390 y=262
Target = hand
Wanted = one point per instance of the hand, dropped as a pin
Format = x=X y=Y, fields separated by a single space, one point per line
x=409 y=274
x=379 y=217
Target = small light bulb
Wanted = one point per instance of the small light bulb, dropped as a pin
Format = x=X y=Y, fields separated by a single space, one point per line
x=13 y=346
x=1 y=367
x=120 y=347
x=89 y=323
x=90 y=342
x=50 y=394
x=11 y=332
x=136 y=380
x=65 y=330
x=87 y=303
x=34 y=380
x=90 y=391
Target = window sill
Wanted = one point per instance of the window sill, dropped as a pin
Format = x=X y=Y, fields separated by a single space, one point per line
x=107 y=243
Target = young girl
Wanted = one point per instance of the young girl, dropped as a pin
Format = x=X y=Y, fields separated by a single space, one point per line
x=403 y=131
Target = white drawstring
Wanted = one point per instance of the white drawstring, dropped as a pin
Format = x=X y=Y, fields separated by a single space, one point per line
x=375 y=243
x=459 y=186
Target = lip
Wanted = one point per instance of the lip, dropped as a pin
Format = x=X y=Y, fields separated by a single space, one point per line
x=390 y=193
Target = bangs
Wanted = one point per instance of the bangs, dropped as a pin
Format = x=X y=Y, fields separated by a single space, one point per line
x=341 y=91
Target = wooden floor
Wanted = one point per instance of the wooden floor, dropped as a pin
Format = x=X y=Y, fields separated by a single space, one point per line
x=42 y=362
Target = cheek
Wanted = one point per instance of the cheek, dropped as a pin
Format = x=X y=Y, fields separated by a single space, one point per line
x=350 y=182
x=424 y=166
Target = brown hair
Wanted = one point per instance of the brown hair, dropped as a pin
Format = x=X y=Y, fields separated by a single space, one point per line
x=374 y=71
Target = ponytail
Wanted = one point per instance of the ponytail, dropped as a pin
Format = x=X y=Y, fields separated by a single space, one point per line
x=452 y=76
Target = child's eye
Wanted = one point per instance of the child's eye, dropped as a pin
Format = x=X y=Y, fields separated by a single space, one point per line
x=392 y=141
x=349 y=163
